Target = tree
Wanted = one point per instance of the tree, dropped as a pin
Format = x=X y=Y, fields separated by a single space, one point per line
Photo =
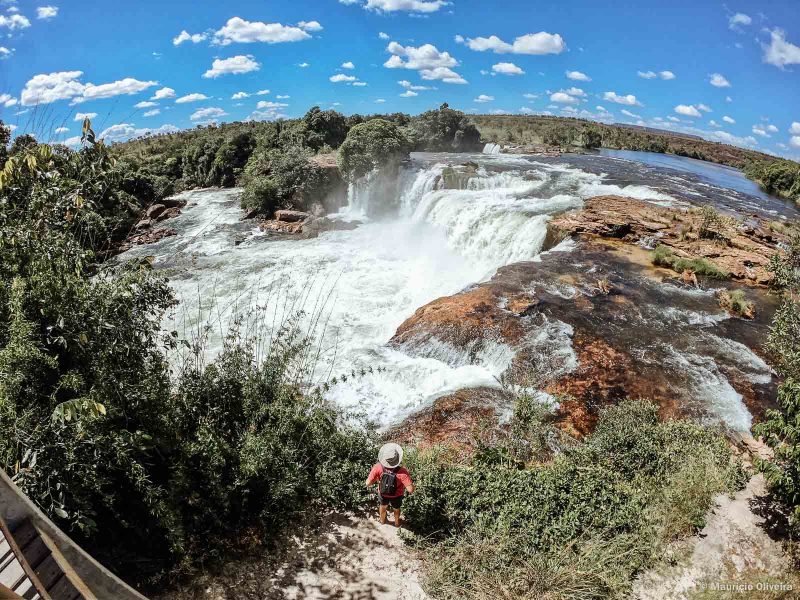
x=592 y=138
x=372 y=145
x=444 y=130
x=325 y=128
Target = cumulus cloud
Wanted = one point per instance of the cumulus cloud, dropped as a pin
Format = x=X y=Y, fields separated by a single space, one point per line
x=427 y=59
x=563 y=98
x=348 y=65
x=185 y=36
x=795 y=128
x=144 y=104
x=530 y=43
x=628 y=100
x=14 y=21
x=240 y=96
x=728 y=119
x=794 y=141
x=687 y=110
x=628 y=113
x=380 y=101
x=739 y=19
x=303 y=65
x=46 y=12
x=665 y=75
x=578 y=76
x=207 y=113
x=310 y=25
x=65 y=85
x=575 y=91
x=163 y=94
x=420 y=6
x=779 y=51
x=262 y=92
x=384 y=36
x=236 y=65
x=152 y=113
x=507 y=68
x=283 y=96
x=409 y=86
x=81 y=116
x=264 y=104
x=245 y=32
x=409 y=94
x=704 y=108
x=125 y=131
x=760 y=130
x=191 y=98
x=342 y=78
x=484 y=98
x=717 y=80
x=62 y=129
x=5 y=52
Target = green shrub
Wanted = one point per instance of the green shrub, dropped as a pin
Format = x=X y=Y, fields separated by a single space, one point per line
x=261 y=194
x=372 y=145
x=580 y=526
x=444 y=130
x=663 y=256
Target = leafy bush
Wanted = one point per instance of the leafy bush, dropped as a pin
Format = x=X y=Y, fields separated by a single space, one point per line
x=776 y=176
x=663 y=256
x=325 y=128
x=587 y=521
x=372 y=145
x=444 y=130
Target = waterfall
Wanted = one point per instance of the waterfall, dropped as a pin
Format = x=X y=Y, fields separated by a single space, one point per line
x=492 y=148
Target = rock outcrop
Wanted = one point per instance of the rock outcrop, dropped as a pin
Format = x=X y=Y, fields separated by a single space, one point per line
x=743 y=250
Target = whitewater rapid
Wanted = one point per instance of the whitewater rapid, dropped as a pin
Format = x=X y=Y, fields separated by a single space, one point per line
x=408 y=242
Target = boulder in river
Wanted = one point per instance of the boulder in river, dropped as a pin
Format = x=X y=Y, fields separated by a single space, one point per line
x=291 y=216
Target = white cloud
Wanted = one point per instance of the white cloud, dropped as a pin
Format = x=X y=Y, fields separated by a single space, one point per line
x=780 y=52
x=264 y=104
x=359 y=83
x=601 y=108
x=530 y=96
x=575 y=91
x=380 y=101
x=14 y=21
x=207 y=113
x=728 y=138
x=409 y=86
x=62 y=129
x=191 y=98
x=46 y=12
x=421 y=6
x=795 y=128
x=383 y=36
x=628 y=113
x=303 y=65
x=704 y=108
x=526 y=110
x=310 y=25
x=409 y=94
x=341 y=77
x=240 y=96
x=152 y=113
x=125 y=131
x=759 y=130
x=563 y=98
x=245 y=32
x=530 y=43
x=262 y=92
x=739 y=19
x=507 y=68
x=628 y=100
x=728 y=99
x=5 y=52
x=647 y=74
x=713 y=123
x=578 y=76
x=717 y=80
x=127 y=86
x=772 y=129
x=794 y=141
x=46 y=88
x=7 y=100
x=687 y=110
x=144 y=104
x=82 y=116
x=348 y=65
x=427 y=59
x=163 y=94
x=185 y=36
x=283 y=97
x=235 y=65
x=666 y=75
x=727 y=119
x=484 y=98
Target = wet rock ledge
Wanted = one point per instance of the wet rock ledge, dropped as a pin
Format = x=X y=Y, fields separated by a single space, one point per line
x=600 y=323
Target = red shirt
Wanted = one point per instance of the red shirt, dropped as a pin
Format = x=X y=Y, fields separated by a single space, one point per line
x=403 y=479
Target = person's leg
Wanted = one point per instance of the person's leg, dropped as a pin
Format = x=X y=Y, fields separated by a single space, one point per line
x=397 y=517
x=383 y=513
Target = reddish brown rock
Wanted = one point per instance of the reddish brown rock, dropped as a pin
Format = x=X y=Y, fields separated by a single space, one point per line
x=155 y=210
x=291 y=216
x=147 y=237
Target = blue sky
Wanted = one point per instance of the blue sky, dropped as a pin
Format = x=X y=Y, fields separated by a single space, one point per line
x=729 y=72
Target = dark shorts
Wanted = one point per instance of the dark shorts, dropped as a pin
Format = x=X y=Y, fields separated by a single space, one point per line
x=395 y=503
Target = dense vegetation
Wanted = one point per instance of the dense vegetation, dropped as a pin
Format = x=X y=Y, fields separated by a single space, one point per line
x=781 y=427
x=518 y=521
x=777 y=176
x=152 y=465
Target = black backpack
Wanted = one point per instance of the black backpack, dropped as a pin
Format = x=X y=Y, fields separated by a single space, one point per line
x=388 y=485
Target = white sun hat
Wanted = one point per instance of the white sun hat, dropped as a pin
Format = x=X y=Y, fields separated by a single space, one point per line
x=390 y=455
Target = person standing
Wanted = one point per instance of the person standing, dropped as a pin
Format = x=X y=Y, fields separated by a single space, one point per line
x=393 y=480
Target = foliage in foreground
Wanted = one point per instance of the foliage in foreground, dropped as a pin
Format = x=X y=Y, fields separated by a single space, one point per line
x=663 y=256
x=579 y=526
x=148 y=468
x=376 y=144
x=781 y=427
x=776 y=177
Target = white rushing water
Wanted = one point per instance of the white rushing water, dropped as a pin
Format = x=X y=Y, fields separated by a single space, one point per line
x=413 y=242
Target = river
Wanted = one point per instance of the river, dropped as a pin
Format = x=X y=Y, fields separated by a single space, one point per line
x=403 y=249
